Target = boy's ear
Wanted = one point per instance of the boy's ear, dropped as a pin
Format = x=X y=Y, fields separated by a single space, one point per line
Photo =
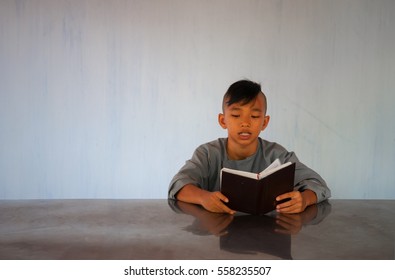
x=265 y=122
x=221 y=120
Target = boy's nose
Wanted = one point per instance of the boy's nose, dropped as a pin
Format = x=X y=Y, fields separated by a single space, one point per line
x=245 y=123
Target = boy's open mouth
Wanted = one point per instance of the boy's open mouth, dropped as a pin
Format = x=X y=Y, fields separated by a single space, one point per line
x=245 y=135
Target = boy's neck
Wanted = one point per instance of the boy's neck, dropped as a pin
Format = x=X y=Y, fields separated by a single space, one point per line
x=237 y=152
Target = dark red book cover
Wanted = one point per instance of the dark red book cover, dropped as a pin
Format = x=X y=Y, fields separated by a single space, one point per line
x=255 y=196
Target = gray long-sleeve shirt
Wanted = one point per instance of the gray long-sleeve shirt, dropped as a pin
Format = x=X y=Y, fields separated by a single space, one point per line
x=203 y=169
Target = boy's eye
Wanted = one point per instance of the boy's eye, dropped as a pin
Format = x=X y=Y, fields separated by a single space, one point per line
x=255 y=117
x=235 y=116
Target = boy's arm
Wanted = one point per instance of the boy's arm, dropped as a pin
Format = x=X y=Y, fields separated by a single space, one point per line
x=211 y=201
x=305 y=177
x=309 y=197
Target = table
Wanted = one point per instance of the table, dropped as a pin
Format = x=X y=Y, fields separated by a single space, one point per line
x=166 y=229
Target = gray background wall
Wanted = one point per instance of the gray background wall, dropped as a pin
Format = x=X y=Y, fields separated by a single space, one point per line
x=107 y=99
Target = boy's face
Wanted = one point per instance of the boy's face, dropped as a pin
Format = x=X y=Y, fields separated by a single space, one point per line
x=244 y=123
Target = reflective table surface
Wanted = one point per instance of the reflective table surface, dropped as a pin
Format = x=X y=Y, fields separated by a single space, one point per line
x=165 y=229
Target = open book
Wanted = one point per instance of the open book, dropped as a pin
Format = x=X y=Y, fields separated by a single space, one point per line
x=256 y=193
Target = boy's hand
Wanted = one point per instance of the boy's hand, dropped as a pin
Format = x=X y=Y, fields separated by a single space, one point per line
x=297 y=203
x=213 y=202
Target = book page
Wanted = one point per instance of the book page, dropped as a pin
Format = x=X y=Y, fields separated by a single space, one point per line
x=240 y=173
x=275 y=166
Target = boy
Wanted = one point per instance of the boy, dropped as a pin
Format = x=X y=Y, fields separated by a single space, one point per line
x=244 y=116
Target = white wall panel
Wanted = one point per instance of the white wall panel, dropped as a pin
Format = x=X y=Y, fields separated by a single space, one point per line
x=107 y=99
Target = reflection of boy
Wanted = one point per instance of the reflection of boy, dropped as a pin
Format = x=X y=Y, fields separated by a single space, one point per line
x=244 y=117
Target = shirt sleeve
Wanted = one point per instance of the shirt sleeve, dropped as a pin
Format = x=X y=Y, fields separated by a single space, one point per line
x=306 y=178
x=195 y=171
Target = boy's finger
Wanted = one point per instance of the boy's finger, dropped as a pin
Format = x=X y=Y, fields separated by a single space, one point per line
x=284 y=196
x=222 y=197
x=227 y=209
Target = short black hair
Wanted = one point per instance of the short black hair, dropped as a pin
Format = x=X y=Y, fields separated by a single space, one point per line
x=243 y=91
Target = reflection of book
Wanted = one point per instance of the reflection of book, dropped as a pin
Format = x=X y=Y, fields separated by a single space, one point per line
x=256 y=193
x=249 y=234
